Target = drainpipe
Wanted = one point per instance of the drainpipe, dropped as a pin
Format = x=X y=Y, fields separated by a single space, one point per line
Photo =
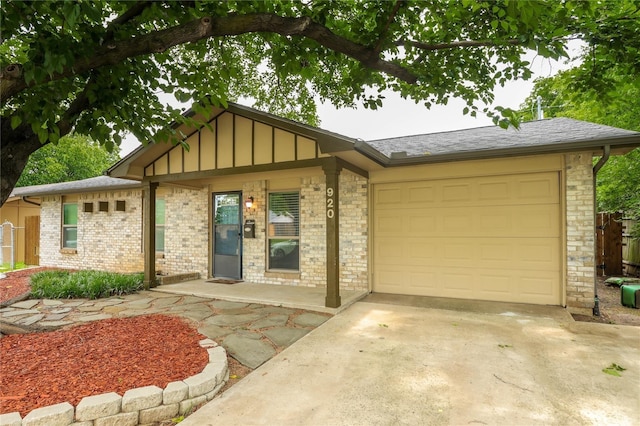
x=606 y=151
x=24 y=198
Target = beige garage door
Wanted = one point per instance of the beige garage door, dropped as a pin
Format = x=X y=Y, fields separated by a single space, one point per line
x=485 y=238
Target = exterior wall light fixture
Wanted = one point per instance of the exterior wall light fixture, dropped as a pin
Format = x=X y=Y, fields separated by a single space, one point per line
x=248 y=202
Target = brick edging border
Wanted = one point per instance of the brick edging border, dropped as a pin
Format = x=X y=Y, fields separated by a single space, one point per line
x=137 y=406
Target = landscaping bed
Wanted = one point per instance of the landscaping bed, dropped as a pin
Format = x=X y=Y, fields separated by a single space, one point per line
x=113 y=355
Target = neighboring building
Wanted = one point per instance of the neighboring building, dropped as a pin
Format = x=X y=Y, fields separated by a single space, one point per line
x=486 y=214
x=21 y=212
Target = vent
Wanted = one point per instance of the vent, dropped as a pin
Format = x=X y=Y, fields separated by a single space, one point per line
x=88 y=208
x=103 y=206
x=120 y=206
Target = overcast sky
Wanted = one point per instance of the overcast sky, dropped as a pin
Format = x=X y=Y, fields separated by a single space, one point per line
x=399 y=117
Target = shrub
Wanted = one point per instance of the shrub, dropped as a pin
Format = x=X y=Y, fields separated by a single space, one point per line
x=83 y=284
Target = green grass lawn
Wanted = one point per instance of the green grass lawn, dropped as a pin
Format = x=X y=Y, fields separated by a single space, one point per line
x=6 y=267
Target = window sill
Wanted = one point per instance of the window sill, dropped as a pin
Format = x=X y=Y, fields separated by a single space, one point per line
x=282 y=274
x=68 y=251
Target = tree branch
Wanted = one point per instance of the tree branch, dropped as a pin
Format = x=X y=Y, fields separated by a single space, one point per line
x=456 y=44
x=394 y=12
x=116 y=51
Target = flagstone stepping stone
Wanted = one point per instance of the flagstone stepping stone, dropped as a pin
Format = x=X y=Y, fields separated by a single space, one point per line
x=109 y=302
x=113 y=309
x=55 y=317
x=31 y=320
x=272 y=321
x=250 y=352
x=136 y=305
x=19 y=312
x=234 y=320
x=309 y=320
x=54 y=323
x=187 y=300
x=75 y=303
x=27 y=304
x=198 y=314
x=240 y=311
x=89 y=308
x=60 y=311
x=276 y=310
x=165 y=301
x=51 y=302
x=214 y=331
x=223 y=304
x=96 y=317
x=136 y=302
x=284 y=336
x=248 y=334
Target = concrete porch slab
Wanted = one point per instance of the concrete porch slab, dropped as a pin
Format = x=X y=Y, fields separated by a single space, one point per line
x=309 y=298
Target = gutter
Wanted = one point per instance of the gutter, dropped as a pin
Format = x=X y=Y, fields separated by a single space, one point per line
x=606 y=151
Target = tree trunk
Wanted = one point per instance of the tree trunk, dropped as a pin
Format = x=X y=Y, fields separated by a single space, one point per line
x=17 y=145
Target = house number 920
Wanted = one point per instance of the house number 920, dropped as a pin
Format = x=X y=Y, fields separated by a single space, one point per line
x=330 y=203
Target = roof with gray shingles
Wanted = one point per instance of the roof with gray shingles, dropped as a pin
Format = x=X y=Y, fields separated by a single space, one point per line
x=85 y=185
x=554 y=131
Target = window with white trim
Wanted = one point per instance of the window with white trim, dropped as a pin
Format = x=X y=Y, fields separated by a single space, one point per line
x=70 y=225
x=160 y=224
x=283 y=236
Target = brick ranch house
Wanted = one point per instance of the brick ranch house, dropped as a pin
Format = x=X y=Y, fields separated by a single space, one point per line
x=485 y=214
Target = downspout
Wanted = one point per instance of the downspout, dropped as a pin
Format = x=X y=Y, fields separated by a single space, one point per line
x=606 y=151
x=24 y=198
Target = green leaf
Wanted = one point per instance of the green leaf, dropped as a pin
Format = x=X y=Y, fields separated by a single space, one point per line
x=613 y=370
x=43 y=135
x=16 y=120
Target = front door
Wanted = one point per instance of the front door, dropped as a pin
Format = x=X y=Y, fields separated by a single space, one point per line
x=227 y=231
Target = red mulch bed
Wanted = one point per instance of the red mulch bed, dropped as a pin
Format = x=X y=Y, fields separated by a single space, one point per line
x=16 y=283
x=114 y=355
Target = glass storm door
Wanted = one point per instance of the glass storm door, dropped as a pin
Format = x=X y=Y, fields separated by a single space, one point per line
x=227 y=231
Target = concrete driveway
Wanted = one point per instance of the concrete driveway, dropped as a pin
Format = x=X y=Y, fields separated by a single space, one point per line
x=386 y=364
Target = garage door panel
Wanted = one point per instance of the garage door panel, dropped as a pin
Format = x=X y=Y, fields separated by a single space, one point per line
x=390 y=250
x=491 y=238
x=473 y=284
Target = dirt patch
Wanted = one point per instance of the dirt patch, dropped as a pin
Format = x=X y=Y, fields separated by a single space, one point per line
x=611 y=310
x=112 y=355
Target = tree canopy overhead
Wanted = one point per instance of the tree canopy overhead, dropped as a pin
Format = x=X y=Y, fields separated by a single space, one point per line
x=97 y=67
x=614 y=103
x=74 y=157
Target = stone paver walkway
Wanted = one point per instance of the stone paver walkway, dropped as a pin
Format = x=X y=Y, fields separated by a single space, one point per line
x=250 y=332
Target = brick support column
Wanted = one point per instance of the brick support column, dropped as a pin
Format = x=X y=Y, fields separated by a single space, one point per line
x=332 y=174
x=580 y=232
x=149 y=234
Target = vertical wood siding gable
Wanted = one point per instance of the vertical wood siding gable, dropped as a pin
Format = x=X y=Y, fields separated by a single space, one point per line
x=230 y=140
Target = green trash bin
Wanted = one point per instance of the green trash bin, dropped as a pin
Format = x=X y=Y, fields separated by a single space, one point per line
x=630 y=295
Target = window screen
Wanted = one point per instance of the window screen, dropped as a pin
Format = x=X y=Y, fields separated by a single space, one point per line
x=284 y=230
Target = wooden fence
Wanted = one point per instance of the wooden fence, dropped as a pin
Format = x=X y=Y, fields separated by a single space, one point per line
x=609 y=244
x=630 y=250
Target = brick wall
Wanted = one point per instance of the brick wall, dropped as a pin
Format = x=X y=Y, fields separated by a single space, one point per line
x=580 y=232
x=107 y=240
x=112 y=240
x=186 y=231
x=354 y=223
x=313 y=269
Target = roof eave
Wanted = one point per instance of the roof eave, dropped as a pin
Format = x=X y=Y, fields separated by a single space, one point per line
x=588 y=144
